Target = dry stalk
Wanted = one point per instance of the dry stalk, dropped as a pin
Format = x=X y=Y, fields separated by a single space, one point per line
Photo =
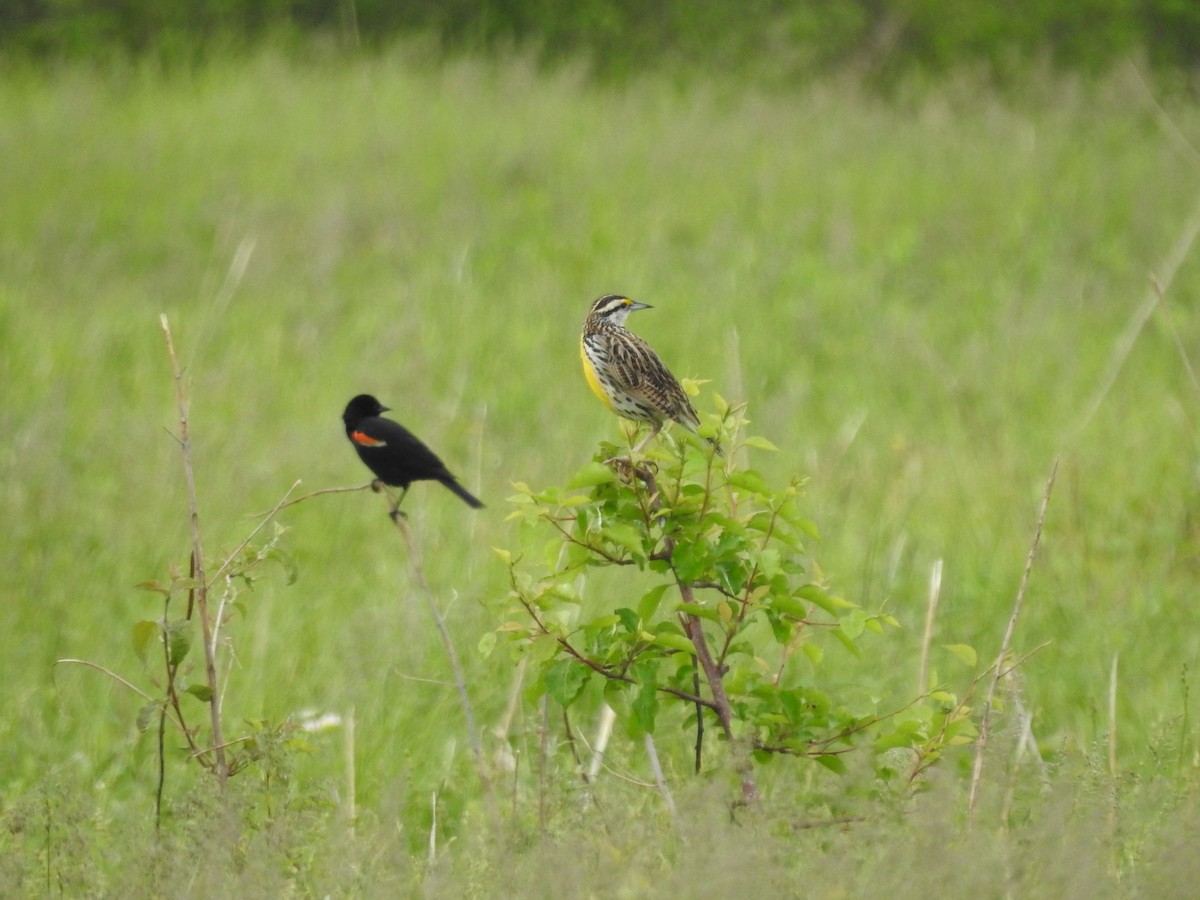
x=998 y=668
x=199 y=596
x=460 y=682
x=935 y=592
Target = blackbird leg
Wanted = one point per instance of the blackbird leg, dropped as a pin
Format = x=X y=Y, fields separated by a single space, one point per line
x=396 y=512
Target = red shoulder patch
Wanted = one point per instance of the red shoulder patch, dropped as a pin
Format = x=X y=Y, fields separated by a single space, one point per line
x=365 y=440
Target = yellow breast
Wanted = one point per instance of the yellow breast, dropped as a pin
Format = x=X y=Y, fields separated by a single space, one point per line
x=593 y=380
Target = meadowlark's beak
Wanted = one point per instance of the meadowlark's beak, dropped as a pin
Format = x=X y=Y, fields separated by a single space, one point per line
x=635 y=306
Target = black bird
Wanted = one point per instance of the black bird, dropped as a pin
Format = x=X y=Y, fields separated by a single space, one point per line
x=392 y=452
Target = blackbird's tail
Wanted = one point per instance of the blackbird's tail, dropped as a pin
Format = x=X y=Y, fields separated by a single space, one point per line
x=467 y=497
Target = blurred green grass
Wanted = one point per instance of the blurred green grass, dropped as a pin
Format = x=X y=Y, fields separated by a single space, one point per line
x=917 y=298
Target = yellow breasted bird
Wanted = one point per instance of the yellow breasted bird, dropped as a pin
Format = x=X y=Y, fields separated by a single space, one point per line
x=627 y=375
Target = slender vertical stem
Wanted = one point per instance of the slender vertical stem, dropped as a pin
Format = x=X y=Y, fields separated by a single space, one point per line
x=656 y=770
x=998 y=668
x=935 y=590
x=197 y=566
x=460 y=682
x=716 y=685
x=351 y=752
x=699 y=713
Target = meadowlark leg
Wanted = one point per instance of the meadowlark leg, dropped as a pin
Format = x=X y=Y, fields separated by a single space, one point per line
x=646 y=440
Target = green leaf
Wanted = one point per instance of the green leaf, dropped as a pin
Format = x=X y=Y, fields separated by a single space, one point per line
x=156 y=586
x=290 y=569
x=179 y=641
x=565 y=679
x=645 y=704
x=487 y=643
x=616 y=695
x=760 y=443
x=703 y=612
x=783 y=629
x=648 y=605
x=833 y=763
x=201 y=692
x=817 y=595
x=147 y=713
x=625 y=536
x=629 y=619
x=853 y=623
x=748 y=480
x=542 y=648
x=846 y=642
x=794 y=705
x=690 y=560
x=144 y=633
x=964 y=652
x=592 y=474
x=674 y=641
x=789 y=606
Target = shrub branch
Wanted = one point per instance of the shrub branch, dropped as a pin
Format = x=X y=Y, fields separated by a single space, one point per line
x=199 y=595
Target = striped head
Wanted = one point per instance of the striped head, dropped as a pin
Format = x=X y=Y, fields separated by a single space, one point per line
x=611 y=311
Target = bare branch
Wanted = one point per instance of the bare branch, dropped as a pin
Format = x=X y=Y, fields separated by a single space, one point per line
x=1006 y=644
x=414 y=559
x=200 y=595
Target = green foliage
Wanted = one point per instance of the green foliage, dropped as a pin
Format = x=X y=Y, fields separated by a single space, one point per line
x=790 y=40
x=163 y=646
x=915 y=297
x=734 y=626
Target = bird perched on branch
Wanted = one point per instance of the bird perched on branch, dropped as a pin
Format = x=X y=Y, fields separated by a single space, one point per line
x=392 y=452
x=627 y=375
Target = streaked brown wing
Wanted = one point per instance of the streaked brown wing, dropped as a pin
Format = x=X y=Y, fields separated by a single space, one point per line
x=645 y=376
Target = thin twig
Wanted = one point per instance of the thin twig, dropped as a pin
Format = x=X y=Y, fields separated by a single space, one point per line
x=257 y=528
x=1137 y=321
x=109 y=672
x=1006 y=644
x=600 y=744
x=699 y=715
x=827 y=823
x=935 y=591
x=1183 y=355
x=173 y=698
x=201 y=593
x=333 y=490
x=1112 y=717
x=693 y=628
x=543 y=763
x=1164 y=119
x=349 y=750
x=659 y=778
x=414 y=559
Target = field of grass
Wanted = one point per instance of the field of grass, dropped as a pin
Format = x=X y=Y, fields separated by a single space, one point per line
x=924 y=301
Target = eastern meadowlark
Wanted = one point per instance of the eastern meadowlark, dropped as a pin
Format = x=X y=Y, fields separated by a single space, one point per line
x=392 y=452
x=627 y=375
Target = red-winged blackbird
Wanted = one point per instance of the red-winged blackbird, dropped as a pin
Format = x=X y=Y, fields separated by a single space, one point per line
x=392 y=452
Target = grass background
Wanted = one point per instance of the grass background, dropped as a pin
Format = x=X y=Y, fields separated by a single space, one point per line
x=918 y=297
